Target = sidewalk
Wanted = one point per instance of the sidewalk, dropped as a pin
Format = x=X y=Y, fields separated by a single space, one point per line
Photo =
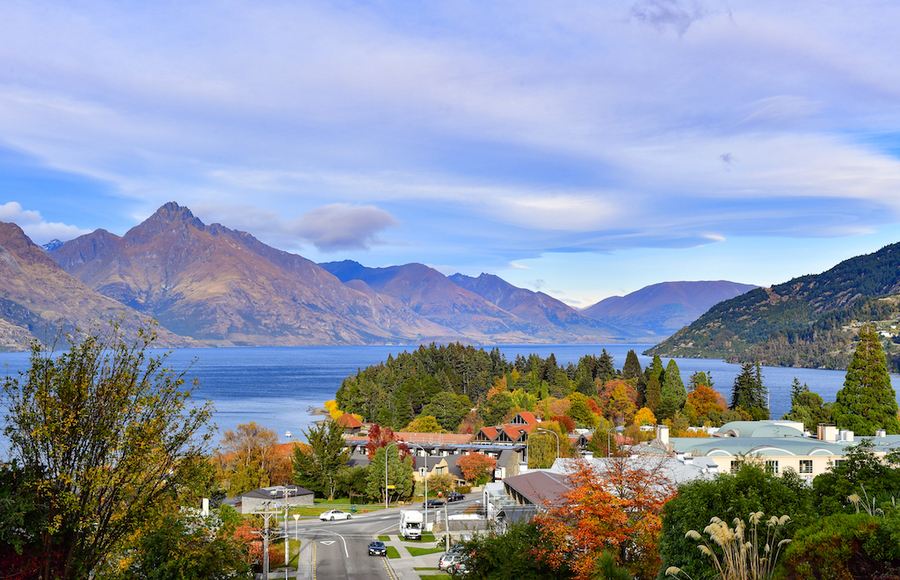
x=405 y=566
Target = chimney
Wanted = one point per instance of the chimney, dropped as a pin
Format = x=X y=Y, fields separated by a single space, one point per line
x=846 y=435
x=662 y=434
x=827 y=433
x=881 y=433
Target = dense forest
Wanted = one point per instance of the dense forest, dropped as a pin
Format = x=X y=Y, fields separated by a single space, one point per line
x=809 y=321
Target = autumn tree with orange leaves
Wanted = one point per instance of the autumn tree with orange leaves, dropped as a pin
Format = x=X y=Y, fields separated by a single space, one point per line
x=615 y=509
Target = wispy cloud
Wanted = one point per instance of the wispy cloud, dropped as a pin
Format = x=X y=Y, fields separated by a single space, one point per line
x=474 y=136
x=35 y=226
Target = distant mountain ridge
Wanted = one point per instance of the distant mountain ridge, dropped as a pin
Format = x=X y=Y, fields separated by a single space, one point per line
x=211 y=285
x=38 y=300
x=808 y=321
x=223 y=286
x=659 y=310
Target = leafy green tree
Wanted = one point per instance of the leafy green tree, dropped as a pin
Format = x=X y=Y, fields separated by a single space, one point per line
x=317 y=464
x=749 y=393
x=867 y=401
x=497 y=408
x=632 y=370
x=353 y=481
x=861 y=473
x=102 y=433
x=187 y=544
x=507 y=556
x=807 y=407
x=673 y=394
x=700 y=378
x=424 y=424
x=580 y=412
x=727 y=496
x=448 y=408
x=846 y=546
x=399 y=474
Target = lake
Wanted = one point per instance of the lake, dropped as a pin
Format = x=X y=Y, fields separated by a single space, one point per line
x=276 y=386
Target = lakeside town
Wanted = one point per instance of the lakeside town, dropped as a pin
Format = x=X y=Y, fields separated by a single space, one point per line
x=386 y=290
x=591 y=471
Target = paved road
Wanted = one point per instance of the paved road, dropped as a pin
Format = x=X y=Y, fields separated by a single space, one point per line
x=338 y=550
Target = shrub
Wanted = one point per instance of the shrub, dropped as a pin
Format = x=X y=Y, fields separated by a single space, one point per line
x=846 y=546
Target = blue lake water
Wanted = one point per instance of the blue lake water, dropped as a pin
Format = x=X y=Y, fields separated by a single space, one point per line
x=276 y=386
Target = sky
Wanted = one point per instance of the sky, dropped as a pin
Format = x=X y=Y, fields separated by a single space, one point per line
x=585 y=149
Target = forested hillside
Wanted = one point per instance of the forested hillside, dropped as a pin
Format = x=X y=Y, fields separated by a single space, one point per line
x=809 y=321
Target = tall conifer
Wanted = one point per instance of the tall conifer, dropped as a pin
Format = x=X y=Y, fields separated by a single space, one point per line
x=632 y=368
x=867 y=401
x=673 y=394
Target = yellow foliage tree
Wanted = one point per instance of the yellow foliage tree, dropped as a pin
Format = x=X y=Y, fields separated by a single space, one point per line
x=644 y=417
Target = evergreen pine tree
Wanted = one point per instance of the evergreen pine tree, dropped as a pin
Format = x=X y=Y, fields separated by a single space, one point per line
x=867 y=401
x=700 y=378
x=653 y=393
x=606 y=370
x=748 y=392
x=632 y=368
x=673 y=394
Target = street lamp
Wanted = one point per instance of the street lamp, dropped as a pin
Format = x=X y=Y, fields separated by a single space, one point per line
x=386 y=495
x=425 y=477
x=617 y=429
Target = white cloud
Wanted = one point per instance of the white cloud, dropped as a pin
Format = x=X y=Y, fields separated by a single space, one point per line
x=33 y=224
x=341 y=226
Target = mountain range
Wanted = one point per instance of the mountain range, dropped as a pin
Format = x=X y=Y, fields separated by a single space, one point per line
x=661 y=309
x=215 y=286
x=39 y=300
x=810 y=321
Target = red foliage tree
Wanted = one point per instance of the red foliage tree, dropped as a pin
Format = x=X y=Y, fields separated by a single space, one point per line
x=380 y=437
x=477 y=467
x=616 y=510
x=566 y=422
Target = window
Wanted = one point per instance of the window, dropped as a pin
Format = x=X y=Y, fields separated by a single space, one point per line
x=838 y=462
x=735 y=466
x=772 y=467
x=806 y=466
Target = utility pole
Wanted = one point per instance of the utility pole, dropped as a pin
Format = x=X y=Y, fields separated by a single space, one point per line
x=265 y=533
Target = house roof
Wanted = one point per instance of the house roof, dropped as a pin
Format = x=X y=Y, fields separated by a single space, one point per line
x=539 y=487
x=528 y=416
x=348 y=421
x=513 y=432
x=429 y=461
x=765 y=446
x=490 y=433
x=433 y=438
x=759 y=429
x=277 y=492
x=675 y=470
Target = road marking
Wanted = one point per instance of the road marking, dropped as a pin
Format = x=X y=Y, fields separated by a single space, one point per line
x=326 y=542
x=343 y=541
x=388 y=569
x=386 y=528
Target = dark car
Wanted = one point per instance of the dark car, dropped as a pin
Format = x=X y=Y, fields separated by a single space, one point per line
x=455 y=496
x=377 y=548
x=433 y=503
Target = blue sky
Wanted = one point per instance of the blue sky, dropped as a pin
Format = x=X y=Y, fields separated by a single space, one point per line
x=585 y=148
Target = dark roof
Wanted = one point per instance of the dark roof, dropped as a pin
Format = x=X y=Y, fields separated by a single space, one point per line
x=431 y=461
x=539 y=487
x=277 y=492
x=514 y=514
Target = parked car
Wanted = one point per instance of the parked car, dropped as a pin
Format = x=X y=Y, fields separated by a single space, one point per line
x=332 y=515
x=455 y=496
x=377 y=548
x=433 y=503
x=448 y=560
x=460 y=565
